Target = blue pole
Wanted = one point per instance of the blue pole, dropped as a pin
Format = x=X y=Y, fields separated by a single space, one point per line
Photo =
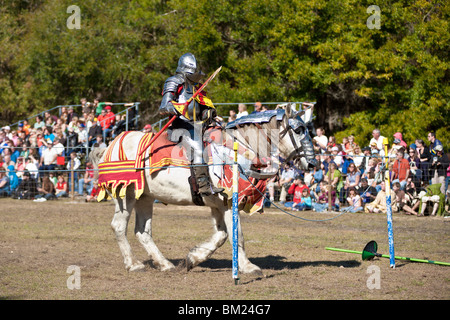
x=235 y=214
x=389 y=207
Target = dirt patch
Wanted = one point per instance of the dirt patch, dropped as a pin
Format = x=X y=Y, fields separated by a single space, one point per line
x=39 y=241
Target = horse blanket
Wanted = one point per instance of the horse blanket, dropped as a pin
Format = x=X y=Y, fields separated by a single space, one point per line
x=162 y=155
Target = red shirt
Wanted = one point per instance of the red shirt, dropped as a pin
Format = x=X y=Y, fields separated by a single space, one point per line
x=400 y=169
x=107 y=121
x=297 y=190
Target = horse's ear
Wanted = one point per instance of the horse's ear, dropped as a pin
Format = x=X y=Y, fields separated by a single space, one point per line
x=287 y=109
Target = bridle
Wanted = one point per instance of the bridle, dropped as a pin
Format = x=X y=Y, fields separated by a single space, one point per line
x=296 y=126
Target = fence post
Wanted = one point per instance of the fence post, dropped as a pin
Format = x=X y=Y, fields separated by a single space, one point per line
x=71 y=178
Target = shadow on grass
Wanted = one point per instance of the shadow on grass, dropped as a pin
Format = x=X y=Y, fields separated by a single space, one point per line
x=279 y=263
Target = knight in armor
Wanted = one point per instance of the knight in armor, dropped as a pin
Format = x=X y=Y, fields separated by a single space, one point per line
x=190 y=122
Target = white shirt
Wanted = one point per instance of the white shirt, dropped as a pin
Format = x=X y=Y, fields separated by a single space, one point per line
x=379 y=142
x=241 y=114
x=76 y=164
x=59 y=148
x=323 y=140
x=49 y=156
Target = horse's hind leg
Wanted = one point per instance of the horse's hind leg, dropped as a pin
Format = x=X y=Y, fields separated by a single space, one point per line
x=143 y=231
x=203 y=251
x=119 y=225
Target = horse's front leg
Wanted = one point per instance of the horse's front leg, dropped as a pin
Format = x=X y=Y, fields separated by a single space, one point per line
x=143 y=231
x=119 y=224
x=203 y=251
x=245 y=266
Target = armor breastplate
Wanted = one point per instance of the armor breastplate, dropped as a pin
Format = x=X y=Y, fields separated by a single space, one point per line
x=185 y=94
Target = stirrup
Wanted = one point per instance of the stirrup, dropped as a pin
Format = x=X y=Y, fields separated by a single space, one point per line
x=205 y=186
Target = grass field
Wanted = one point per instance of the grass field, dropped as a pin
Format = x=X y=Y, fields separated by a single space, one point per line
x=40 y=241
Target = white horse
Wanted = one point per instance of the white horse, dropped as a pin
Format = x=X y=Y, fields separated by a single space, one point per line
x=172 y=187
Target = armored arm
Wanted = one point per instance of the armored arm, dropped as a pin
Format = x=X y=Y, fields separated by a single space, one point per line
x=170 y=92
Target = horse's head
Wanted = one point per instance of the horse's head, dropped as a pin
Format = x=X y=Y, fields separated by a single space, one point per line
x=295 y=142
x=281 y=132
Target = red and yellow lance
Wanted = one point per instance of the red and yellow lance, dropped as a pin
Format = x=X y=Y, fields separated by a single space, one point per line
x=196 y=93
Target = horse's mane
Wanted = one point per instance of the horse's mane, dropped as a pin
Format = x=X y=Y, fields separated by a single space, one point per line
x=257 y=135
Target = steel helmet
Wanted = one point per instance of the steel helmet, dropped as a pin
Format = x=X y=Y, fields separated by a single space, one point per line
x=187 y=65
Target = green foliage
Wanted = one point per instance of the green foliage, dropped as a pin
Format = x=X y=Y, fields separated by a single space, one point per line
x=394 y=78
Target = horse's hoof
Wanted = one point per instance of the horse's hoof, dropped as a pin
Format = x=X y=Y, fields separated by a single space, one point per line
x=137 y=267
x=167 y=268
x=255 y=271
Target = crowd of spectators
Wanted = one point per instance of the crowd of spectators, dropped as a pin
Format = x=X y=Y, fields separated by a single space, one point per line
x=53 y=146
x=352 y=178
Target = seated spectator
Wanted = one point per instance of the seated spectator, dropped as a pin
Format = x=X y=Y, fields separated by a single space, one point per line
x=13 y=178
x=392 y=152
x=367 y=192
x=296 y=189
x=32 y=164
x=232 y=116
x=414 y=165
x=147 y=128
x=4 y=183
x=48 y=134
x=53 y=178
x=242 y=111
x=107 y=119
x=99 y=142
x=337 y=181
x=61 y=188
x=120 y=126
x=286 y=179
x=94 y=131
x=48 y=160
x=87 y=180
x=351 y=181
x=376 y=143
x=321 y=140
x=365 y=162
x=27 y=188
x=46 y=191
x=379 y=204
x=345 y=144
x=76 y=166
x=322 y=201
x=399 y=136
x=354 y=201
x=82 y=137
x=400 y=169
x=357 y=156
x=433 y=142
x=425 y=160
x=94 y=193
x=72 y=140
x=304 y=203
x=71 y=114
x=406 y=201
x=331 y=142
x=39 y=122
x=337 y=156
x=432 y=197
x=439 y=167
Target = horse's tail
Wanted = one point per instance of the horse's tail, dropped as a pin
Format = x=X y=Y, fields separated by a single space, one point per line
x=94 y=156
